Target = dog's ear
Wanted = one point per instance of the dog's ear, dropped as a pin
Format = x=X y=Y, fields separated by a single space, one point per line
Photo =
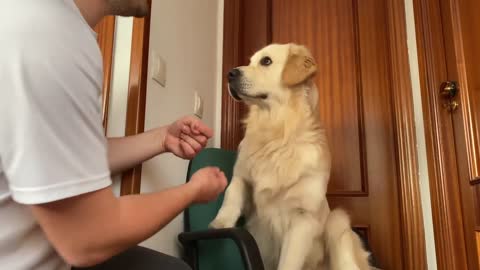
x=299 y=66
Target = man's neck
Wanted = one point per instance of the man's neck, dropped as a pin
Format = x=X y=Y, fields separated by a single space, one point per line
x=92 y=10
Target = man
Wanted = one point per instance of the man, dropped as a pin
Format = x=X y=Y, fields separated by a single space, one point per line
x=56 y=204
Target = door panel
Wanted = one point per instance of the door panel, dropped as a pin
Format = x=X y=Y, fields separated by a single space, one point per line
x=449 y=32
x=466 y=36
x=331 y=35
x=348 y=38
x=462 y=36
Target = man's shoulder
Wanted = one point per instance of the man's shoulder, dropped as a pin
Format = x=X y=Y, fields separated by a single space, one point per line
x=53 y=26
x=49 y=39
x=48 y=52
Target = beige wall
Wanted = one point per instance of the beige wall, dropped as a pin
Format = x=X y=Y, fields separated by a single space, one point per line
x=184 y=33
x=218 y=88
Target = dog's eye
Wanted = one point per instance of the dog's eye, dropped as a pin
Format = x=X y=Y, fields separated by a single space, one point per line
x=266 y=61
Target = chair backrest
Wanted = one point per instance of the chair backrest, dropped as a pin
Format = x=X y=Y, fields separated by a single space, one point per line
x=212 y=254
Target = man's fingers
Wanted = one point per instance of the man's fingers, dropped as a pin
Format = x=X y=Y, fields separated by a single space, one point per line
x=201 y=139
x=224 y=181
x=197 y=127
x=196 y=146
x=204 y=130
x=187 y=149
x=221 y=180
x=186 y=129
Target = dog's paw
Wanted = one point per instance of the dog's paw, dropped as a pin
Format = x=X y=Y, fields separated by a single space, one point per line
x=221 y=223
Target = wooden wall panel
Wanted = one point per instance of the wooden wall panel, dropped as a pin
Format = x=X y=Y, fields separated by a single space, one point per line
x=466 y=34
x=329 y=30
x=477 y=234
x=247 y=28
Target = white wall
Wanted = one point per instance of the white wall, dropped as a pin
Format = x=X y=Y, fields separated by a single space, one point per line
x=420 y=135
x=218 y=95
x=185 y=34
x=119 y=83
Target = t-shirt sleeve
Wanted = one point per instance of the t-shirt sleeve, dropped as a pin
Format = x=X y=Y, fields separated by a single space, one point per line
x=53 y=144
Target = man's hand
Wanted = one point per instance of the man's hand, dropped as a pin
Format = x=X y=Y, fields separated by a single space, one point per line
x=207 y=184
x=186 y=137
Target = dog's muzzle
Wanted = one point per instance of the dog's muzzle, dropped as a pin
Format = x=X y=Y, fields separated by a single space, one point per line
x=234 y=77
x=237 y=85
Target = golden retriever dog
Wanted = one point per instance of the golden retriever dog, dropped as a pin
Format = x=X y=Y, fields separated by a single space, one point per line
x=283 y=167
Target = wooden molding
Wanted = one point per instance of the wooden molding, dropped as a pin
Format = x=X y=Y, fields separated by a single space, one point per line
x=439 y=138
x=105 y=35
x=477 y=237
x=230 y=109
x=240 y=28
x=410 y=203
x=137 y=90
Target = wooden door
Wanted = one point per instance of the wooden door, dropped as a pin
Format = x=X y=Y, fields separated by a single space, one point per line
x=349 y=41
x=448 y=34
x=362 y=80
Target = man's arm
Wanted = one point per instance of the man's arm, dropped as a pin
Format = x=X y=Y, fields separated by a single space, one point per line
x=184 y=138
x=127 y=152
x=92 y=227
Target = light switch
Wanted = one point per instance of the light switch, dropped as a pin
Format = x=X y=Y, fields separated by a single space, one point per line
x=198 y=105
x=159 y=69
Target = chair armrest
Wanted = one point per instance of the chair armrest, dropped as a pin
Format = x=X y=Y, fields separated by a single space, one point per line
x=242 y=238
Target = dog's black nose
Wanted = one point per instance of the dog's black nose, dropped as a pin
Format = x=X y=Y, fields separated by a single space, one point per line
x=233 y=74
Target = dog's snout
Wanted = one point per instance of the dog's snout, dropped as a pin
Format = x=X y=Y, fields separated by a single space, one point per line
x=234 y=74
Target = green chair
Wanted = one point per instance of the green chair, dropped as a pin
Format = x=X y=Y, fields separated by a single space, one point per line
x=223 y=249
x=210 y=249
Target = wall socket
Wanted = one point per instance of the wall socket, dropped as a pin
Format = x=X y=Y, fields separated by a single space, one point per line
x=159 y=69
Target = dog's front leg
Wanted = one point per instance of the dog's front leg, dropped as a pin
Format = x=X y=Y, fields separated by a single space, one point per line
x=232 y=206
x=297 y=243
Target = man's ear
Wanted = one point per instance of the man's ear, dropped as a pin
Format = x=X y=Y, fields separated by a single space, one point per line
x=299 y=66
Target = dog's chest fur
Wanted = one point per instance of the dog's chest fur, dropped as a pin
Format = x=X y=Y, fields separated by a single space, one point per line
x=279 y=160
x=286 y=165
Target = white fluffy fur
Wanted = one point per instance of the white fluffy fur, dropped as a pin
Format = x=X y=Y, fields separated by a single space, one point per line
x=281 y=175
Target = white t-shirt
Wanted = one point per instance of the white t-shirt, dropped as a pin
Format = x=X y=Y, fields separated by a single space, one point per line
x=52 y=144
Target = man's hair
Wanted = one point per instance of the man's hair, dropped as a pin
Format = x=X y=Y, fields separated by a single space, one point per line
x=137 y=8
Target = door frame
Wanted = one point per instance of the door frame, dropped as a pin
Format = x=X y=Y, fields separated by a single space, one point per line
x=105 y=30
x=444 y=177
x=245 y=32
x=137 y=94
x=137 y=84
